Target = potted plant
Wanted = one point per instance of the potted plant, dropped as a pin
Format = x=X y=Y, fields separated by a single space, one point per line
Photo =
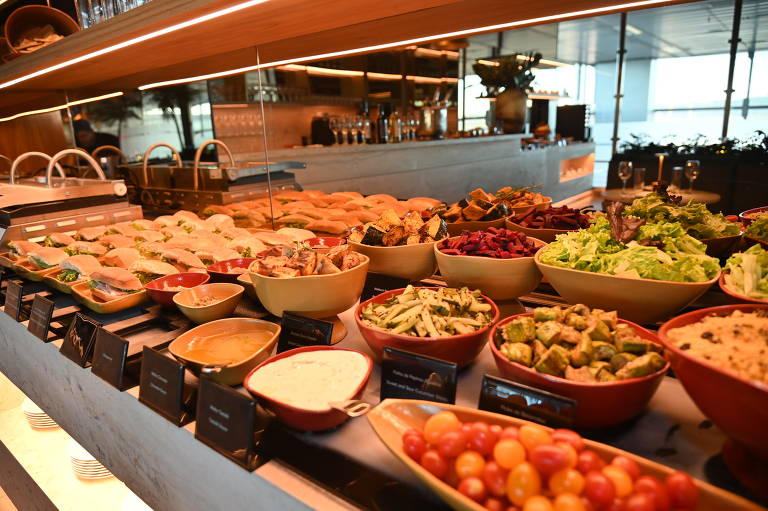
x=508 y=82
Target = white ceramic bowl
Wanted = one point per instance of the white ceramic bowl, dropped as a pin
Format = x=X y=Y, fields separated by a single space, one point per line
x=414 y=262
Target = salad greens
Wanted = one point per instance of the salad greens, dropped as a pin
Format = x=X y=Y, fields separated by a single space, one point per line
x=749 y=272
x=759 y=227
x=695 y=218
x=680 y=258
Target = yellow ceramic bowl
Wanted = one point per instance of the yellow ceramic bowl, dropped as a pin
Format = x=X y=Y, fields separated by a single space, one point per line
x=642 y=301
x=498 y=279
x=414 y=262
x=233 y=373
x=316 y=296
x=209 y=301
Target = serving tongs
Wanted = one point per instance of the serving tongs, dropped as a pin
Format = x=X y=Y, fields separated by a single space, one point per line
x=352 y=407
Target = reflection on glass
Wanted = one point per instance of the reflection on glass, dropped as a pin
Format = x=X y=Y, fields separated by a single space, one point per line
x=692 y=171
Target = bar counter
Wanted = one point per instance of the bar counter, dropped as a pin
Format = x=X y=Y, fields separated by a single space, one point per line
x=443 y=169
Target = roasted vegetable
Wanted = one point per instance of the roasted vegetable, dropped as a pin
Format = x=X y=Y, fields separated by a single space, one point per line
x=389 y=230
x=483 y=206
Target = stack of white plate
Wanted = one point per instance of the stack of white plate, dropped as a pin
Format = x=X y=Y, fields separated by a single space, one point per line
x=36 y=417
x=84 y=464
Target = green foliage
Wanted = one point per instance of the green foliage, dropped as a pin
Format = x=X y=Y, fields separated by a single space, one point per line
x=511 y=73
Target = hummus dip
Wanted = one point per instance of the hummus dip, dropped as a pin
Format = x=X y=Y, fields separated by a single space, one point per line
x=312 y=379
x=738 y=342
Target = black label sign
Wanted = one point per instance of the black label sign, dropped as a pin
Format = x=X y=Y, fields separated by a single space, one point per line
x=40 y=317
x=297 y=331
x=226 y=422
x=110 y=361
x=377 y=283
x=161 y=386
x=407 y=375
x=13 y=295
x=502 y=396
x=79 y=340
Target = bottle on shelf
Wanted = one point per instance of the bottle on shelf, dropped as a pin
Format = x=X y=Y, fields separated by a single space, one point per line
x=366 y=130
x=395 y=128
x=382 y=124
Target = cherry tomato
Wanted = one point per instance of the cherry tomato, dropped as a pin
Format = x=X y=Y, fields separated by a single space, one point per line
x=452 y=443
x=495 y=479
x=620 y=479
x=531 y=436
x=473 y=488
x=481 y=438
x=566 y=481
x=569 y=502
x=496 y=430
x=469 y=464
x=598 y=489
x=509 y=432
x=523 y=482
x=414 y=445
x=494 y=504
x=538 y=503
x=589 y=461
x=548 y=458
x=640 y=502
x=617 y=505
x=434 y=463
x=629 y=465
x=656 y=489
x=573 y=456
x=569 y=436
x=439 y=424
x=509 y=453
x=683 y=492
x=452 y=477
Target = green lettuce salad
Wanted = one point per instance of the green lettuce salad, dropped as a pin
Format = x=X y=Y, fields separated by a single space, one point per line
x=681 y=257
x=695 y=218
x=758 y=228
x=748 y=273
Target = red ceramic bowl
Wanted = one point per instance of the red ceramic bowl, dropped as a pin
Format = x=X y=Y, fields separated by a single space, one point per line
x=299 y=418
x=745 y=219
x=734 y=294
x=220 y=272
x=752 y=241
x=460 y=349
x=156 y=289
x=735 y=404
x=600 y=405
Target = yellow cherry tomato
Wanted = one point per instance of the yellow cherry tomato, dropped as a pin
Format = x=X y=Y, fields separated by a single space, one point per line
x=469 y=464
x=569 y=502
x=567 y=480
x=620 y=479
x=538 y=503
x=439 y=424
x=523 y=483
x=509 y=453
x=531 y=436
x=573 y=456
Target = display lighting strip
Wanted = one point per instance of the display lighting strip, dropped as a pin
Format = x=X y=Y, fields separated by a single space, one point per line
x=553 y=63
x=324 y=71
x=409 y=42
x=62 y=107
x=135 y=40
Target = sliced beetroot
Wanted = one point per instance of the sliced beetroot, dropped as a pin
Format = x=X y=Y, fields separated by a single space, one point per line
x=493 y=242
x=552 y=218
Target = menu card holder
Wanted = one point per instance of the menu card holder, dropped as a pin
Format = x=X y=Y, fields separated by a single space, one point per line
x=111 y=362
x=13 y=295
x=40 y=318
x=79 y=340
x=161 y=387
x=517 y=400
x=226 y=420
x=297 y=331
x=377 y=283
x=408 y=375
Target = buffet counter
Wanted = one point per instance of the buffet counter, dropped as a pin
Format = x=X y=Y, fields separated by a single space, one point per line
x=443 y=169
x=169 y=469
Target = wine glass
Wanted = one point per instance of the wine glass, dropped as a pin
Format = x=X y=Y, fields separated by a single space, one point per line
x=334 y=123
x=345 y=125
x=625 y=172
x=353 y=128
x=692 y=171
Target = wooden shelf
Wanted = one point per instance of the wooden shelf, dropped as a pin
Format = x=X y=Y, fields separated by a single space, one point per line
x=280 y=29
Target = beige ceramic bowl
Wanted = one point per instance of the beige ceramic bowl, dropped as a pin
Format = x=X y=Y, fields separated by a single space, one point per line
x=498 y=279
x=316 y=296
x=244 y=279
x=642 y=301
x=413 y=262
x=221 y=299
x=233 y=373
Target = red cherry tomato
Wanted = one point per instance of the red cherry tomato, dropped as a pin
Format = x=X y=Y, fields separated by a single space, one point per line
x=618 y=504
x=452 y=443
x=589 y=461
x=414 y=445
x=495 y=479
x=599 y=489
x=494 y=504
x=683 y=492
x=473 y=488
x=548 y=458
x=510 y=432
x=629 y=465
x=640 y=502
x=656 y=489
x=481 y=438
x=469 y=464
x=434 y=463
x=569 y=436
x=496 y=429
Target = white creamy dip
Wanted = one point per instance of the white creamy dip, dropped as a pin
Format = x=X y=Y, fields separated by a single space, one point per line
x=312 y=379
